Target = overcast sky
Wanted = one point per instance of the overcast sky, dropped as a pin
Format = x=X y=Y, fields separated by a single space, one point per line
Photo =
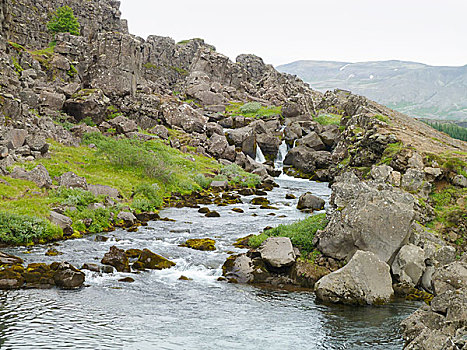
x=427 y=31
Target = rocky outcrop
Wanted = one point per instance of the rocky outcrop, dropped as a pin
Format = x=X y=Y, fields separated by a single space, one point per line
x=364 y=280
x=39 y=175
x=117 y=258
x=367 y=216
x=443 y=323
x=308 y=201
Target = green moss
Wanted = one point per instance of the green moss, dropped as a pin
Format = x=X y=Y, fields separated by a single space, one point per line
x=383 y=118
x=17 y=66
x=328 y=119
x=149 y=65
x=72 y=71
x=390 y=151
x=301 y=233
x=19 y=48
x=252 y=110
x=179 y=70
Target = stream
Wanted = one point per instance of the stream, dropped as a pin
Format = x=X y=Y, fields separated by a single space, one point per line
x=160 y=311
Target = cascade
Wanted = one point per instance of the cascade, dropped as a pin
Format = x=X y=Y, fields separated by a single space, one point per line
x=259 y=156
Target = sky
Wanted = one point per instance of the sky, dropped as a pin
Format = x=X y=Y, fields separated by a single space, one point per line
x=429 y=31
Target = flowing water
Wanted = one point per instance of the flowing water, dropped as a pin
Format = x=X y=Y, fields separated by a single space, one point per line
x=159 y=311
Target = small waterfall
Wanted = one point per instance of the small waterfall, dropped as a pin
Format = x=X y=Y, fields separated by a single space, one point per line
x=279 y=162
x=259 y=155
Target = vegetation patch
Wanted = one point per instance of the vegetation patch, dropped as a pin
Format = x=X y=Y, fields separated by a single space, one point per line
x=453 y=130
x=252 y=110
x=301 y=233
x=328 y=119
x=25 y=229
x=63 y=21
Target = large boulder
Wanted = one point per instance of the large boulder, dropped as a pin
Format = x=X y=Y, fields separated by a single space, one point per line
x=39 y=175
x=185 y=117
x=149 y=260
x=66 y=276
x=308 y=201
x=313 y=141
x=278 y=252
x=102 y=190
x=71 y=180
x=442 y=324
x=117 y=258
x=409 y=264
x=368 y=216
x=7 y=259
x=85 y=103
x=307 y=159
x=243 y=269
x=364 y=280
x=123 y=125
x=62 y=221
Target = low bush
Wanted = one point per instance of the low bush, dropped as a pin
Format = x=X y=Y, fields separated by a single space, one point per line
x=24 y=229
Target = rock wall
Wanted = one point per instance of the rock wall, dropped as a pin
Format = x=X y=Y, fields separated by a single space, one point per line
x=24 y=21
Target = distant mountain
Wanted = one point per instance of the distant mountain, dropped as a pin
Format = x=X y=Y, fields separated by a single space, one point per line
x=413 y=88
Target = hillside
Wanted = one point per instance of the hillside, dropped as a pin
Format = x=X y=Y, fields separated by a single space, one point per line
x=412 y=88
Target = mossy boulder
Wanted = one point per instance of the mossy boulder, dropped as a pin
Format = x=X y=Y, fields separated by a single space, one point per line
x=38 y=275
x=242 y=242
x=67 y=276
x=212 y=214
x=200 y=244
x=7 y=259
x=260 y=201
x=117 y=258
x=53 y=252
x=10 y=279
x=153 y=261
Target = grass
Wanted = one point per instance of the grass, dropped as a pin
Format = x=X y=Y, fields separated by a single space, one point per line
x=328 y=119
x=252 y=110
x=390 y=151
x=301 y=233
x=383 y=118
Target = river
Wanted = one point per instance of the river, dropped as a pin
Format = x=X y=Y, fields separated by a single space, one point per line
x=159 y=311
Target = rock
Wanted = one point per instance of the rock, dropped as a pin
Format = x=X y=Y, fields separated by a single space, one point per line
x=102 y=190
x=260 y=201
x=123 y=125
x=409 y=264
x=200 y=244
x=85 y=103
x=290 y=196
x=53 y=252
x=16 y=138
x=395 y=178
x=310 y=201
x=212 y=214
x=238 y=210
x=91 y=267
x=414 y=181
x=219 y=184
x=71 y=180
x=126 y=280
x=7 y=259
x=290 y=110
x=460 y=180
x=62 y=221
x=127 y=217
x=330 y=136
x=242 y=269
x=37 y=143
x=153 y=261
x=313 y=141
x=39 y=175
x=445 y=255
x=185 y=117
x=217 y=145
x=369 y=216
x=160 y=131
x=10 y=279
x=184 y=278
x=381 y=173
x=278 y=252
x=117 y=258
x=450 y=277
x=67 y=276
x=307 y=159
x=204 y=210
x=364 y=280
x=416 y=161
x=52 y=100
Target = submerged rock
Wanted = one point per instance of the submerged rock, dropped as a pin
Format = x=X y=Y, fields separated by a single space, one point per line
x=364 y=280
x=200 y=244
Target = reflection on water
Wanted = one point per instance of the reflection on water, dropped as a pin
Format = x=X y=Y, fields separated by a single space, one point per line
x=160 y=311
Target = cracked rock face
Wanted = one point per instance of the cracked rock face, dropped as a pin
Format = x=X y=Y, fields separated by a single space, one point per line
x=367 y=216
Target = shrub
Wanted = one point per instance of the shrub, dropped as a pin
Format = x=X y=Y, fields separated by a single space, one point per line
x=250 y=107
x=234 y=173
x=147 y=197
x=75 y=197
x=202 y=180
x=301 y=233
x=24 y=229
x=63 y=21
x=101 y=219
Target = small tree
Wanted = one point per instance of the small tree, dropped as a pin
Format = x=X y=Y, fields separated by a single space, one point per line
x=63 y=21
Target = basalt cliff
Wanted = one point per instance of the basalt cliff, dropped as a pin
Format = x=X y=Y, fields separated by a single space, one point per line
x=397 y=222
